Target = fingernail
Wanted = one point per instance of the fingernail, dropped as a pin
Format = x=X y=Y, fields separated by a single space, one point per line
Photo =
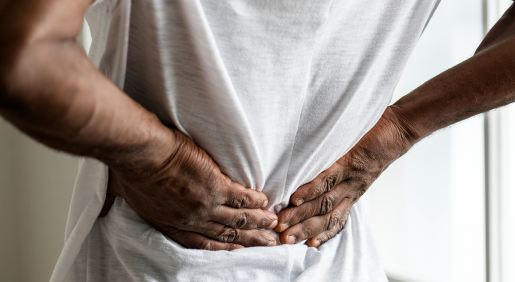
x=282 y=227
x=299 y=202
x=316 y=243
x=290 y=239
x=265 y=204
x=271 y=243
x=273 y=225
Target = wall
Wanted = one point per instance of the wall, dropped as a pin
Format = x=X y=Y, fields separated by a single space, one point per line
x=35 y=191
x=8 y=244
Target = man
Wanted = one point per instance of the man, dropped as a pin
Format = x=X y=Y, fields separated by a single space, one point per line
x=285 y=97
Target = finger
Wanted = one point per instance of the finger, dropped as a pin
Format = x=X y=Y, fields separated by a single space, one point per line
x=238 y=197
x=319 y=206
x=245 y=218
x=323 y=183
x=323 y=237
x=226 y=234
x=315 y=226
x=192 y=240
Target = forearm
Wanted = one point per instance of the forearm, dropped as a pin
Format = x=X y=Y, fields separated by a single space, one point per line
x=50 y=90
x=481 y=83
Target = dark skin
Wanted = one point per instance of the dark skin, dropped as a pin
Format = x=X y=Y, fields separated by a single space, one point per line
x=481 y=83
x=51 y=91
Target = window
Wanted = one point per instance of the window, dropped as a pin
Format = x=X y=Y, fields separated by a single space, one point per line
x=427 y=211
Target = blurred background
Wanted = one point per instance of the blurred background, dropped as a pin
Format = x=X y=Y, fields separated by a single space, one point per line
x=443 y=212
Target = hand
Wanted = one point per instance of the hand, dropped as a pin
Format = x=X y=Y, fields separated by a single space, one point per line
x=321 y=207
x=189 y=200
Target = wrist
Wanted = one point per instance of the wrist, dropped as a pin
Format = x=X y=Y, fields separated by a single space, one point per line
x=391 y=137
x=409 y=129
x=156 y=143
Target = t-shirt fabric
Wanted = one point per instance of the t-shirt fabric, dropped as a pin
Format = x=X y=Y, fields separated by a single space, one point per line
x=274 y=91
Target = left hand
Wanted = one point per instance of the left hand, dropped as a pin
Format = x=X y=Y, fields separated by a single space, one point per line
x=321 y=207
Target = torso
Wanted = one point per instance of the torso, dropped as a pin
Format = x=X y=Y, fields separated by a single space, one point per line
x=275 y=92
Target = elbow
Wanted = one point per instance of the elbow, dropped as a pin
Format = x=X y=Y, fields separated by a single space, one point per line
x=3 y=98
x=15 y=33
x=34 y=38
x=9 y=79
x=27 y=25
x=5 y=85
x=19 y=76
x=14 y=43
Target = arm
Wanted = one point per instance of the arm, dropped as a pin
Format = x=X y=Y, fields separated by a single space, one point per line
x=484 y=82
x=481 y=83
x=51 y=91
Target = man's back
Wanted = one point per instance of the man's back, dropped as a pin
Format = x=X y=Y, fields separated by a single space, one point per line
x=275 y=93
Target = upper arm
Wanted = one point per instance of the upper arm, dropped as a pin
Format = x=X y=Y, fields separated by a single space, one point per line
x=502 y=31
x=36 y=19
x=25 y=24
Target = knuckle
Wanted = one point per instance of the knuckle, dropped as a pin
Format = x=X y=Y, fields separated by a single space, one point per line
x=368 y=154
x=334 y=220
x=223 y=180
x=228 y=235
x=330 y=182
x=242 y=220
x=244 y=201
x=356 y=165
x=232 y=202
x=186 y=222
x=239 y=201
x=306 y=233
x=327 y=204
x=325 y=237
x=204 y=245
x=340 y=224
x=345 y=216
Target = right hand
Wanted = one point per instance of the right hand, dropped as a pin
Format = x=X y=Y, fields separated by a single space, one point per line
x=188 y=199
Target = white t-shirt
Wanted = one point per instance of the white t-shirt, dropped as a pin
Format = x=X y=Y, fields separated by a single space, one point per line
x=274 y=91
